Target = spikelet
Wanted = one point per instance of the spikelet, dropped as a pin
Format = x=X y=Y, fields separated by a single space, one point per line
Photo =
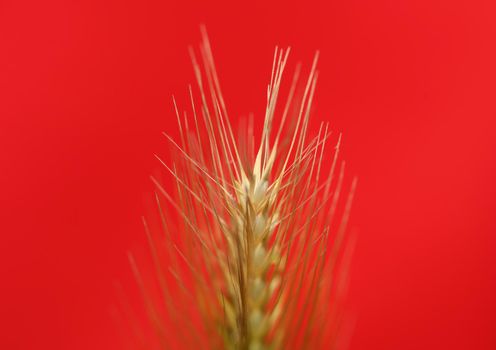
x=251 y=245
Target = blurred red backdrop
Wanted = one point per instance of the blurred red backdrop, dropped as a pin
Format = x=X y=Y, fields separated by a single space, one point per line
x=85 y=91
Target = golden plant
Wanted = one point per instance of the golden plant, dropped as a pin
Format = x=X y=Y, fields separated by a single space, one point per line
x=251 y=245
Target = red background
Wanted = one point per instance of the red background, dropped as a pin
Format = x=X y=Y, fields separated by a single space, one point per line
x=85 y=91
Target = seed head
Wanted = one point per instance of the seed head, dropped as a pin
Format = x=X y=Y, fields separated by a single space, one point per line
x=251 y=245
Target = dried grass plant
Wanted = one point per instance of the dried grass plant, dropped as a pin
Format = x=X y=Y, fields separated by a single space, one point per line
x=251 y=251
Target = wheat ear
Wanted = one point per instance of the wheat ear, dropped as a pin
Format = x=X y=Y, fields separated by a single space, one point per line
x=251 y=244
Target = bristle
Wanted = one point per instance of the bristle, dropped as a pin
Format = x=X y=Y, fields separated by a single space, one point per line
x=251 y=251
